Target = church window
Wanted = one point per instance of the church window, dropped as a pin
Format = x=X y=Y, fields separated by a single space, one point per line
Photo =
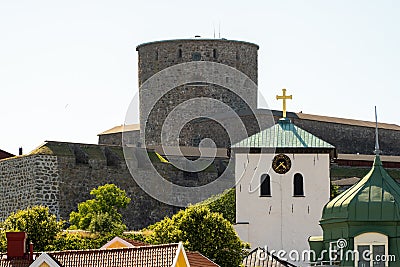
x=265 y=188
x=179 y=53
x=298 y=186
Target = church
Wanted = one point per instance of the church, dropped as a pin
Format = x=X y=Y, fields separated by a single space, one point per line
x=282 y=202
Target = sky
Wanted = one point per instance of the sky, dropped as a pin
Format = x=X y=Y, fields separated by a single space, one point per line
x=68 y=69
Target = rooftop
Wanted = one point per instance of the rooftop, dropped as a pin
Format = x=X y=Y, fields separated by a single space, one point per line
x=283 y=134
x=376 y=197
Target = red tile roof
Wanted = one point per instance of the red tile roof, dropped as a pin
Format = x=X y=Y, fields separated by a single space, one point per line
x=13 y=263
x=198 y=260
x=154 y=256
x=195 y=259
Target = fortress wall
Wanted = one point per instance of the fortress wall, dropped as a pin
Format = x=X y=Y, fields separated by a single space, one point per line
x=27 y=181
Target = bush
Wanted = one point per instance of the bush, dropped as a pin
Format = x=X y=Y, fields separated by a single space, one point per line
x=201 y=230
x=40 y=225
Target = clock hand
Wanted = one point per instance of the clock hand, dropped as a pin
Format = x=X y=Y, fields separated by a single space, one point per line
x=282 y=164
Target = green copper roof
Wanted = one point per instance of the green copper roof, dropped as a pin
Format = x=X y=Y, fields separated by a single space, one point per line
x=284 y=134
x=376 y=197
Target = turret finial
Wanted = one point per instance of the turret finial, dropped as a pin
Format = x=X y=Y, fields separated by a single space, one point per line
x=377 y=149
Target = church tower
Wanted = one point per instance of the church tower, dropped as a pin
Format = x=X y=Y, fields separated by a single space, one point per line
x=282 y=183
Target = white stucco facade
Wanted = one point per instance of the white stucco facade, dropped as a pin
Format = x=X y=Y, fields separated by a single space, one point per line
x=281 y=221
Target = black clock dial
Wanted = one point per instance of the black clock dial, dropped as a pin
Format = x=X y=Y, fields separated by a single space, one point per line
x=281 y=164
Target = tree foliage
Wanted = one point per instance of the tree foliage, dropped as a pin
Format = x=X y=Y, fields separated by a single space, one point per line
x=201 y=230
x=40 y=225
x=101 y=214
x=78 y=240
x=224 y=203
x=334 y=191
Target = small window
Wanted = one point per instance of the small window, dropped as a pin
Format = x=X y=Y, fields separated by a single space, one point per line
x=265 y=188
x=298 y=187
x=196 y=56
x=179 y=53
x=214 y=53
x=237 y=55
x=156 y=55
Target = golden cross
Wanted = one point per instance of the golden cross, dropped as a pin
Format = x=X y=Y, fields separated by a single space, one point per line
x=283 y=97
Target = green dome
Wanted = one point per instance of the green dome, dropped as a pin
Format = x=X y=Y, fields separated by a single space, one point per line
x=376 y=198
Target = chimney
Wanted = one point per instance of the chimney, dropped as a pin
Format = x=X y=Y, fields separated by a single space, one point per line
x=20 y=151
x=16 y=244
x=31 y=251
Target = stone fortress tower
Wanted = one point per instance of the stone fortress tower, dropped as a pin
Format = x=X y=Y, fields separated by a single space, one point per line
x=157 y=56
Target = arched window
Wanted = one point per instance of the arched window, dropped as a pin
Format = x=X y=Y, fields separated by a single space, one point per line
x=371 y=246
x=214 y=53
x=298 y=186
x=265 y=188
x=179 y=53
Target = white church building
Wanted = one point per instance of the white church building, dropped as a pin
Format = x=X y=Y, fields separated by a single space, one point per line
x=282 y=185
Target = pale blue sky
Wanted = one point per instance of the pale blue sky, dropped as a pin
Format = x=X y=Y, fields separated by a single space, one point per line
x=68 y=69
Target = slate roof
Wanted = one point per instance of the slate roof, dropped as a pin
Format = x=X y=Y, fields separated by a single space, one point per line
x=283 y=134
x=376 y=197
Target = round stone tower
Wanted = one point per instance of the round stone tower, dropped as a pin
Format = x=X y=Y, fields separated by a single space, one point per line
x=157 y=56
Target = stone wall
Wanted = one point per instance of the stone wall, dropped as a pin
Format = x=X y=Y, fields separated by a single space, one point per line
x=352 y=139
x=28 y=181
x=61 y=175
x=130 y=137
x=157 y=56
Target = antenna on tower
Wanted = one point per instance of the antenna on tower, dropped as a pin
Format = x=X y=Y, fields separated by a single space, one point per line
x=219 y=30
x=377 y=149
x=214 y=29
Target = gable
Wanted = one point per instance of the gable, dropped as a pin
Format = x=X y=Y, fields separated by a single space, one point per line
x=180 y=259
x=117 y=242
x=44 y=260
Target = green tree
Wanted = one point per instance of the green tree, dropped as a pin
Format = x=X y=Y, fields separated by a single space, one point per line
x=201 y=230
x=101 y=214
x=224 y=203
x=78 y=240
x=40 y=225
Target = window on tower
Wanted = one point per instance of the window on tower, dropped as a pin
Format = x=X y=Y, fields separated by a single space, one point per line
x=196 y=56
x=214 y=53
x=298 y=185
x=265 y=188
x=179 y=53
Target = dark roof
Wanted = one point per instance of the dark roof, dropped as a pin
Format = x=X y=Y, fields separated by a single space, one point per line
x=5 y=154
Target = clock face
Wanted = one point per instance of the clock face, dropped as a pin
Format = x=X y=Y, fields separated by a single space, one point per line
x=281 y=164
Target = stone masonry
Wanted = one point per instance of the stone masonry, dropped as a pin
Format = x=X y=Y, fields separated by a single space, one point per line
x=61 y=175
x=27 y=181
